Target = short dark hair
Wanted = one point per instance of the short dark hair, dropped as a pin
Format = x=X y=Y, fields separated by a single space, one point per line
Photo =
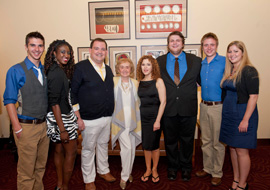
x=34 y=35
x=99 y=40
x=178 y=34
x=209 y=35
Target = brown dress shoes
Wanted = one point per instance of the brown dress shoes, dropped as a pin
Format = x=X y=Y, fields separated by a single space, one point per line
x=201 y=173
x=90 y=186
x=108 y=177
x=216 y=181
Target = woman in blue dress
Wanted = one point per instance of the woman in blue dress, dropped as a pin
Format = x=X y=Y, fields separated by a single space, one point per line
x=239 y=115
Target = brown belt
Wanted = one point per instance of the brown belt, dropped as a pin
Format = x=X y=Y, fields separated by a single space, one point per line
x=35 y=121
x=212 y=103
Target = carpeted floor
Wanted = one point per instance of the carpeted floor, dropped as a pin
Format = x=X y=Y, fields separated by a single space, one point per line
x=259 y=178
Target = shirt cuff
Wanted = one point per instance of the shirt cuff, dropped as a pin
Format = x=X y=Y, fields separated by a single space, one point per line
x=76 y=107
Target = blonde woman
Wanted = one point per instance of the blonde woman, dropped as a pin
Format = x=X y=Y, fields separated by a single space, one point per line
x=126 y=121
x=152 y=93
x=239 y=115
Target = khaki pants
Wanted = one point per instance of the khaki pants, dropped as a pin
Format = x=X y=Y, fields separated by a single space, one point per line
x=33 y=146
x=213 y=150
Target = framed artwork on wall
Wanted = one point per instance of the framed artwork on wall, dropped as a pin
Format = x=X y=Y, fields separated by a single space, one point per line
x=193 y=49
x=83 y=53
x=158 y=50
x=109 y=19
x=158 y=18
x=155 y=50
x=118 y=52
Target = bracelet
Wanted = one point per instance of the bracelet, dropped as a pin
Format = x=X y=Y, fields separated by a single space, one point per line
x=63 y=131
x=18 y=131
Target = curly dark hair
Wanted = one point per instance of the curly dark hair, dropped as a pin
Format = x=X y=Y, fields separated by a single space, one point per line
x=50 y=58
x=155 y=68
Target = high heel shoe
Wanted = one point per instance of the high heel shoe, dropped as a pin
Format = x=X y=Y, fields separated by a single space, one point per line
x=123 y=184
x=233 y=188
x=130 y=179
x=246 y=188
x=57 y=188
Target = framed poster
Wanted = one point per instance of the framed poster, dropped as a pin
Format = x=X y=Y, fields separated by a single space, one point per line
x=193 y=49
x=118 y=52
x=83 y=53
x=109 y=20
x=158 y=50
x=158 y=18
x=155 y=50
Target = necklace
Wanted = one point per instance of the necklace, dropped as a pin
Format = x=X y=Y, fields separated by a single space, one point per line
x=125 y=86
x=232 y=73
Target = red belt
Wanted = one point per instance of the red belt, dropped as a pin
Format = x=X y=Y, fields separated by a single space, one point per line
x=35 y=121
x=212 y=103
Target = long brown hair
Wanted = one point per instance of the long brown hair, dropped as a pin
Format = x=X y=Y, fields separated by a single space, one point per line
x=229 y=66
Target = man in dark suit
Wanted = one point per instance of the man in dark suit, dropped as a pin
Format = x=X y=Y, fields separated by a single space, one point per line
x=181 y=73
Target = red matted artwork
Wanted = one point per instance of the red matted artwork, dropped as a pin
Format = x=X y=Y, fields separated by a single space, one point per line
x=158 y=18
x=109 y=20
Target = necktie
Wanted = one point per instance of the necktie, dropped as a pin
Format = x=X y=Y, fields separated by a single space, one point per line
x=176 y=72
x=40 y=78
x=101 y=73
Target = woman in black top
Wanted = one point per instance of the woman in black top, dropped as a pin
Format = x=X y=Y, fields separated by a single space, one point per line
x=152 y=93
x=61 y=120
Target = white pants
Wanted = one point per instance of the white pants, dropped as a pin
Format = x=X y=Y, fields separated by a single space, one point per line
x=127 y=153
x=96 y=136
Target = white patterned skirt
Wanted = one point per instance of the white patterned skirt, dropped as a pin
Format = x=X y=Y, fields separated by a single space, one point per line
x=70 y=124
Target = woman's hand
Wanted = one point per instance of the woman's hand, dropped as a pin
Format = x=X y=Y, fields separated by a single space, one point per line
x=64 y=136
x=243 y=126
x=156 y=126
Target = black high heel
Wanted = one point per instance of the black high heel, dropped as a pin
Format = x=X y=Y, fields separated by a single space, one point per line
x=233 y=188
x=57 y=188
x=246 y=188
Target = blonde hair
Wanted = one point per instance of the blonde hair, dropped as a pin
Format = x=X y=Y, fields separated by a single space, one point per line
x=124 y=60
x=229 y=66
x=155 y=68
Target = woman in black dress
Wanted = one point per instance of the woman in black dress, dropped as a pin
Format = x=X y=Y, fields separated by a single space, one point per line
x=239 y=114
x=152 y=94
x=61 y=120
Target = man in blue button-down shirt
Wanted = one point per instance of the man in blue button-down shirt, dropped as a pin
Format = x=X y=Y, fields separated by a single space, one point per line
x=210 y=109
x=180 y=114
x=27 y=86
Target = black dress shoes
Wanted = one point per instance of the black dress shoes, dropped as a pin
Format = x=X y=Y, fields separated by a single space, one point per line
x=186 y=175
x=172 y=175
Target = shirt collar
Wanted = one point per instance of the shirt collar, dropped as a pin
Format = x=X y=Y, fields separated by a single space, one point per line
x=216 y=58
x=180 y=57
x=29 y=64
x=94 y=64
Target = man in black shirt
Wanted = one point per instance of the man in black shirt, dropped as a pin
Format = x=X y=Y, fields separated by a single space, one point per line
x=93 y=102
